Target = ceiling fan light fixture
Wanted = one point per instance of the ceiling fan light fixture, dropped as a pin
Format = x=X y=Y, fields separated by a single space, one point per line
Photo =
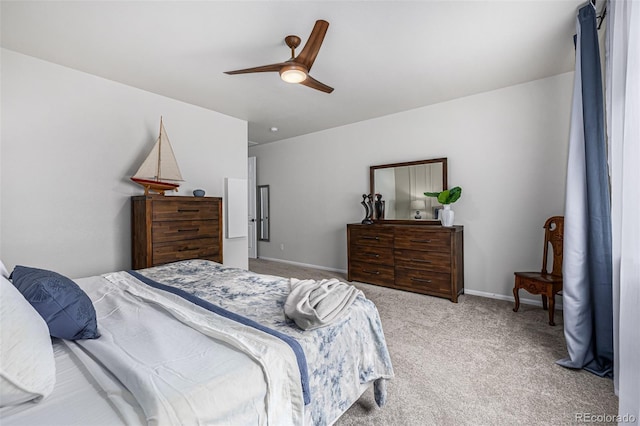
x=293 y=73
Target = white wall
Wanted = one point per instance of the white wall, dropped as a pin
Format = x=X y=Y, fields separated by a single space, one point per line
x=69 y=143
x=507 y=149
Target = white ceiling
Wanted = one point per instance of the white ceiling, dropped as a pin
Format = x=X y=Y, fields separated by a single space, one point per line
x=381 y=57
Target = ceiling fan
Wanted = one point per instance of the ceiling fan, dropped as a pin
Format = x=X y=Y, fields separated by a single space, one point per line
x=296 y=69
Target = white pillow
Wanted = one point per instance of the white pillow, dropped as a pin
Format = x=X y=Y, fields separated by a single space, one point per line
x=27 y=366
x=3 y=270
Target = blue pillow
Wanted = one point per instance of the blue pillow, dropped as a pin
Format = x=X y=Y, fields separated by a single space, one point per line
x=67 y=309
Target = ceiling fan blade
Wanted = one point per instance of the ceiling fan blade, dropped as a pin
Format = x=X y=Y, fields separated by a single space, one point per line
x=312 y=47
x=263 y=68
x=315 y=84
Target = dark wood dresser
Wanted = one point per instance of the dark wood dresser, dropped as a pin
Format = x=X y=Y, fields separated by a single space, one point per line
x=168 y=229
x=425 y=259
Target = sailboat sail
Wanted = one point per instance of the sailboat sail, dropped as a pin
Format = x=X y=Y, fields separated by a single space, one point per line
x=159 y=171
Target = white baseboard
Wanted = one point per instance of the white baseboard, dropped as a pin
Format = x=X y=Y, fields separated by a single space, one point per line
x=304 y=265
x=523 y=300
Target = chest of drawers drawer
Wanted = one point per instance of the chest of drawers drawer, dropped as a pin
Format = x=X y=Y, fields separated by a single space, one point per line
x=372 y=273
x=423 y=281
x=372 y=236
x=426 y=260
x=179 y=230
x=172 y=251
x=184 y=210
x=419 y=239
x=374 y=255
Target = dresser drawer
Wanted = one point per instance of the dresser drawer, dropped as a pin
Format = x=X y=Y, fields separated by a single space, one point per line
x=421 y=239
x=372 y=236
x=171 y=251
x=373 y=254
x=181 y=209
x=183 y=230
x=423 y=281
x=426 y=260
x=374 y=274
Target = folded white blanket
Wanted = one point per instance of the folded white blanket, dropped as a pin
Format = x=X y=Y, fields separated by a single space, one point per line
x=314 y=304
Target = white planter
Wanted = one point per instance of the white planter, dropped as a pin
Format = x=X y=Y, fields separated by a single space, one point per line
x=446 y=215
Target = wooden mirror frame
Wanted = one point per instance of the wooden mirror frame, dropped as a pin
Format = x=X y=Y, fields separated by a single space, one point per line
x=372 y=186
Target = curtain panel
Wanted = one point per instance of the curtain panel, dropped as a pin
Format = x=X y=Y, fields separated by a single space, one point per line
x=587 y=286
x=623 y=129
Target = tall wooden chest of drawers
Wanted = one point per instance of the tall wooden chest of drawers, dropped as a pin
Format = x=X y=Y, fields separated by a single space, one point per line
x=425 y=259
x=168 y=229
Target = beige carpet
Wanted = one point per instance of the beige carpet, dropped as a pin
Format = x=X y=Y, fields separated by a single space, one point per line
x=472 y=363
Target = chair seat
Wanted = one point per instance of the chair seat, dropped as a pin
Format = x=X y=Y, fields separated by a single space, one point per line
x=538 y=276
x=546 y=285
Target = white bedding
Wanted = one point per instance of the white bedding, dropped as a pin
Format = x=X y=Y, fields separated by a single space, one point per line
x=77 y=399
x=205 y=368
x=176 y=373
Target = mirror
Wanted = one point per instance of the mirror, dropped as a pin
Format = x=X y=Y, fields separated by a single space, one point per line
x=263 y=212
x=402 y=186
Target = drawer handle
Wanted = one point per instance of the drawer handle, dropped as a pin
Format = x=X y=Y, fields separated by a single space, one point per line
x=188 y=210
x=371 y=272
x=420 y=241
x=371 y=238
x=187 y=249
x=420 y=280
x=373 y=255
x=420 y=261
x=189 y=230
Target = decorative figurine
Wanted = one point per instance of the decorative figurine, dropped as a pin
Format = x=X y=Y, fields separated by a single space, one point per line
x=368 y=209
x=159 y=172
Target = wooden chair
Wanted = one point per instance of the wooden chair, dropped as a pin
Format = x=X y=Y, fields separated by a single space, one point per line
x=545 y=283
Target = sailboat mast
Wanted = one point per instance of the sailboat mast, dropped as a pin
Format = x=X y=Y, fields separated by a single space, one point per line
x=159 y=150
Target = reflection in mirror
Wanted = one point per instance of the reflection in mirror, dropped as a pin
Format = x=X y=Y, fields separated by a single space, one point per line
x=402 y=186
x=263 y=212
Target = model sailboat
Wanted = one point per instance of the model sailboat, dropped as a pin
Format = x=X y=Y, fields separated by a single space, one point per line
x=159 y=172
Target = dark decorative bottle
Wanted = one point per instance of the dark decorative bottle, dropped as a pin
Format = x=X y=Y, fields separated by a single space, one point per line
x=379 y=207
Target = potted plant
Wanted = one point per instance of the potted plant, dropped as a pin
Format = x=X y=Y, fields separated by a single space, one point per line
x=446 y=198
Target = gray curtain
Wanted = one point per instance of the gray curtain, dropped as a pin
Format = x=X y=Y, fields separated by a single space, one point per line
x=587 y=288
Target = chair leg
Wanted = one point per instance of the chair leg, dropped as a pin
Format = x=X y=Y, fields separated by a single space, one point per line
x=544 y=302
x=552 y=308
x=516 y=296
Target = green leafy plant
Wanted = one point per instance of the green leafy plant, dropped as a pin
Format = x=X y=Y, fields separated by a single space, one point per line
x=447 y=196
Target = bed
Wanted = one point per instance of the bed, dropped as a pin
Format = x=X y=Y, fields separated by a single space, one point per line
x=195 y=342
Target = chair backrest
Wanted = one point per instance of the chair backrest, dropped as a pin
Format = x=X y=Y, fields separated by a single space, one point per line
x=553 y=236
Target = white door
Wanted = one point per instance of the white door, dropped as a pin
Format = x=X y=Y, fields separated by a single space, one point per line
x=253 y=237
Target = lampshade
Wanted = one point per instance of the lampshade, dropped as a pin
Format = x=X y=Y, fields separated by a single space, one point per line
x=293 y=73
x=418 y=205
